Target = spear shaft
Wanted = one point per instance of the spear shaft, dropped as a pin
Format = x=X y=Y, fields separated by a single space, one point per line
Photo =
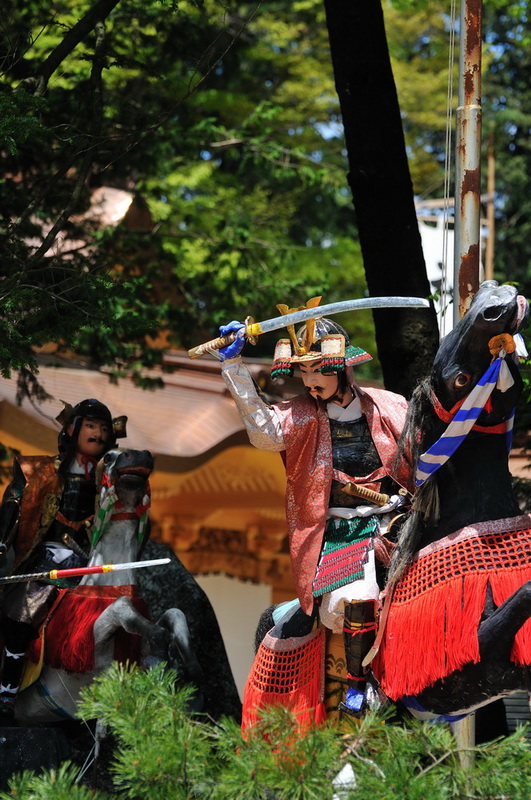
x=78 y=572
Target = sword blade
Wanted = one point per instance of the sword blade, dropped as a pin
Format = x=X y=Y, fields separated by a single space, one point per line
x=274 y=324
x=335 y=308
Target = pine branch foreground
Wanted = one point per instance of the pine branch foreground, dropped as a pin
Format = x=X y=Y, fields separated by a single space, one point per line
x=162 y=752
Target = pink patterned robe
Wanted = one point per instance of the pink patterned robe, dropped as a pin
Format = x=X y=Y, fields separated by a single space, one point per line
x=303 y=432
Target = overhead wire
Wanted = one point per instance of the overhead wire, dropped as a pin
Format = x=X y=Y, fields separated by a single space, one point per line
x=446 y=298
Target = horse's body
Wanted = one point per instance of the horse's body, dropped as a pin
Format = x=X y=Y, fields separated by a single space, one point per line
x=55 y=694
x=457 y=634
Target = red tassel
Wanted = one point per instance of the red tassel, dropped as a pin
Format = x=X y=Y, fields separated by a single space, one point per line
x=432 y=627
x=431 y=636
x=69 y=631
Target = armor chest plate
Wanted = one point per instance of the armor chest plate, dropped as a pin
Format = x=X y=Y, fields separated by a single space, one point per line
x=78 y=497
x=353 y=452
x=353 y=449
x=77 y=503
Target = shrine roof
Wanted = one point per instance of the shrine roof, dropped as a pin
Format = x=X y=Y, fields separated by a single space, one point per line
x=190 y=416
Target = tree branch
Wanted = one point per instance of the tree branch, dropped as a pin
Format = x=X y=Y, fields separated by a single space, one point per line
x=96 y=117
x=193 y=88
x=75 y=35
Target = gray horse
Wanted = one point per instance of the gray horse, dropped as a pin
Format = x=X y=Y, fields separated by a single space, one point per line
x=110 y=601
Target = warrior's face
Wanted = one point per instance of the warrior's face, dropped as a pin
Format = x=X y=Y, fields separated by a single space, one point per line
x=323 y=387
x=92 y=438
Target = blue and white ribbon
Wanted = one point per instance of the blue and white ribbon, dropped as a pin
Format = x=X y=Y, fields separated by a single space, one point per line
x=438 y=454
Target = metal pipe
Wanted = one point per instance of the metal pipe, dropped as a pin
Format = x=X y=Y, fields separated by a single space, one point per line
x=468 y=154
x=467 y=215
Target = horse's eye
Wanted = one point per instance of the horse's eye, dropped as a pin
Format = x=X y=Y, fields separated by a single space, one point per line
x=107 y=458
x=462 y=380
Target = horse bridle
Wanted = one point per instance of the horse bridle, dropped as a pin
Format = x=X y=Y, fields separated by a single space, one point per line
x=447 y=416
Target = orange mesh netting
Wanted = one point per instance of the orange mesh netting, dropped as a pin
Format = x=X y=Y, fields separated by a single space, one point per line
x=436 y=607
x=287 y=672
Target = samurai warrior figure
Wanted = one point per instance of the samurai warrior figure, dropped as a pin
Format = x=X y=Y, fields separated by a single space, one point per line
x=45 y=517
x=345 y=483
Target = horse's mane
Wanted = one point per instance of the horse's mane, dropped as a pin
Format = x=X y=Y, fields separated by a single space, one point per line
x=420 y=431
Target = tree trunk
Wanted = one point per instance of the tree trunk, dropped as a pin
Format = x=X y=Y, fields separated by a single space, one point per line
x=382 y=191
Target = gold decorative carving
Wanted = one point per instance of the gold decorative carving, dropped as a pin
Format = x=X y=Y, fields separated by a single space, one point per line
x=251 y=554
x=50 y=507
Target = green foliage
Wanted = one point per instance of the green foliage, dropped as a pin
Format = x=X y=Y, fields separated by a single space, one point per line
x=273 y=761
x=140 y=711
x=508 y=120
x=419 y=41
x=162 y=752
x=189 y=757
x=7 y=455
x=78 y=307
x=20 y=123
x=223 y=119
x=418 y=36
x=61 y=784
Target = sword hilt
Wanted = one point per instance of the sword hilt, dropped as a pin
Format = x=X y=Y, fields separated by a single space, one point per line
x=213 y=344
x=365 y=493
x=251 y=331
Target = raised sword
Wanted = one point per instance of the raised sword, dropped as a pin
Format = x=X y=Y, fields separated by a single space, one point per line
x=254 y=329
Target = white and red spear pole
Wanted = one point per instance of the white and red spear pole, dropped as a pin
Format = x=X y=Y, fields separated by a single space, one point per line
x=78 y=572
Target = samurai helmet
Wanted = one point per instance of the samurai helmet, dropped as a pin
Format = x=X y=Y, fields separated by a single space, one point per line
x=88 y=409
x=321 y=340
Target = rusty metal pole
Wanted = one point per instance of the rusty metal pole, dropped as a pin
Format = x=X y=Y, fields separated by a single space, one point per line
x=468 y=218
x=468 y=154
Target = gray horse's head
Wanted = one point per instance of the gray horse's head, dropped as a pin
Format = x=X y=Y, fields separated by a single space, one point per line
x=127 y=471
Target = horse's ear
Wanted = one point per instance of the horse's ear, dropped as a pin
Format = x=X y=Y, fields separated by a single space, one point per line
x=118 y=426
x=64 y=414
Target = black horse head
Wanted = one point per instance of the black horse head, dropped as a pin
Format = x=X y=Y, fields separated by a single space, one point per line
x=464 y=355
x=475 y=483
x=128 y=472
